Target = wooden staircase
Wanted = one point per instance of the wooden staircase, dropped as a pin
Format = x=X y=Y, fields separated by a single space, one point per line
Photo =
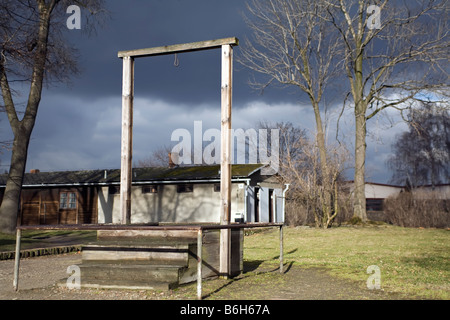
x=147 y=261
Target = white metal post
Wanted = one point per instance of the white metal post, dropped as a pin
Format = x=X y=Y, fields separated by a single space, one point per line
x=199 y=263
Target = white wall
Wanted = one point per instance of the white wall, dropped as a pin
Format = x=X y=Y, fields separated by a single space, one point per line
x=201 y=205
x=381 y=191
x=262 y=196
x=264 y=204
x=279 y=216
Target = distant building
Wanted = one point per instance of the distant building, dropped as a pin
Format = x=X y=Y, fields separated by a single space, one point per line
x=376 y=193
x=178 y=195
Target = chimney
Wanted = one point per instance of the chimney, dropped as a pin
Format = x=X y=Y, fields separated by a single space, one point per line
x=34 y=171
x=173 y=160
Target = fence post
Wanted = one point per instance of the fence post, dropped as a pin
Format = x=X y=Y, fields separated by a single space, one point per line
x=199 y=263
x=17 y=260
x=281 y=249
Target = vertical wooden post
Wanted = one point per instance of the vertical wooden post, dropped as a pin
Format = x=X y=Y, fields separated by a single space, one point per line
x=127 y=139
x=225 y=163
x=281 y=249
x=199 y=263
x=17 y=260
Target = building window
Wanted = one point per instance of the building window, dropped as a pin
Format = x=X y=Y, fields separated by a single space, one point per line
x=150 y=189
x=182 y=188
x=217 y=187
x=374 y=204
x=68 y=200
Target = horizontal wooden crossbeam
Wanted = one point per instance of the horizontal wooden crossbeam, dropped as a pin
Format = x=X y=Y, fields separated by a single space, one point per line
x=178 y=48
x=154 y=226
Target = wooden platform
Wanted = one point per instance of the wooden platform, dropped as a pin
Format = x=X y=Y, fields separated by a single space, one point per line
x=153 y=259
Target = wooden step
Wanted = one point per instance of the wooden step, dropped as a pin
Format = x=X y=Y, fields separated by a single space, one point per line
x=130 y=276
x=154 y=285
x=147 y=260
x=145 y=235
x=136 y=252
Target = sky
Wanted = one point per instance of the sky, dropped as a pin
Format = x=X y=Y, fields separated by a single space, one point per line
x=79 y=125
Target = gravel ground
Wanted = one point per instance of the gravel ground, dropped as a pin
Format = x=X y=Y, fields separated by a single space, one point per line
x=44 y=278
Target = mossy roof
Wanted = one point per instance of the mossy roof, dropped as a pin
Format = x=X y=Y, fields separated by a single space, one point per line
x=153 y=174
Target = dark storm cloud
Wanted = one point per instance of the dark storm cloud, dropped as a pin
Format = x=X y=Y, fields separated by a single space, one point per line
x=79 y=126
x=143 y=24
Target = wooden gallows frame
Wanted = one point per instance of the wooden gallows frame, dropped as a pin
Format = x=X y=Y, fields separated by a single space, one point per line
x=128 y=57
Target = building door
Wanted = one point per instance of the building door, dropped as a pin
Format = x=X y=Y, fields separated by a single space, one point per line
x=256 y=207
x=49 y=213
x=271 y=200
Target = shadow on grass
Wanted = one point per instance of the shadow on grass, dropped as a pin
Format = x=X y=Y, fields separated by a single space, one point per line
x=253 y=268
x=252 y=265
x=431 y=262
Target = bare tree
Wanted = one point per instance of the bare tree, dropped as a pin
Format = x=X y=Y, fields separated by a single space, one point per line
x=421 y=155
x=291 y=45
x=388 y=52
x=158 y=158
x=300 y=166
x=395 y=52
x=32 y=49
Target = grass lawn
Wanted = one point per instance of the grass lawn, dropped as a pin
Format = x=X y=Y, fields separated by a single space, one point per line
x=414 y=262
x=411 y=261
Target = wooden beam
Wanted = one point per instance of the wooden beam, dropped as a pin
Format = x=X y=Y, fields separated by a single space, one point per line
x=225 y=163
x=127 y=139
x=178 y=48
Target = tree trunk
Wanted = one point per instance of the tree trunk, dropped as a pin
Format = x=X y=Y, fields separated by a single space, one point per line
x=359 y=196
x=22 y=129
x=9 y=210
x=320 y=139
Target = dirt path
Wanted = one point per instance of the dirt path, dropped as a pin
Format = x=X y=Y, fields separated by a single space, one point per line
x=43 y=278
